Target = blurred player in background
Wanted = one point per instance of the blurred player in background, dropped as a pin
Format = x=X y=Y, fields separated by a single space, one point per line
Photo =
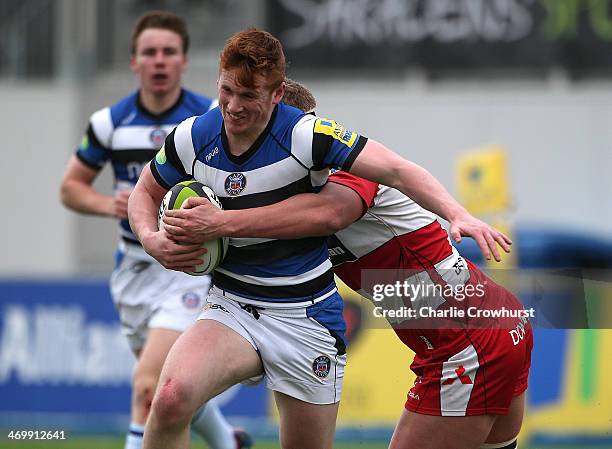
x=274 y=305
x=155 y=305
x=470 y=383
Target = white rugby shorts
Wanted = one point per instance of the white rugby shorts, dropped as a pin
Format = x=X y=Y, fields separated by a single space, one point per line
x=148 y=296
x=303 y=350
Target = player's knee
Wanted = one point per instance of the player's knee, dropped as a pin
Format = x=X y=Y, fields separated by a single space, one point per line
x=171 y=403
x=143 y=391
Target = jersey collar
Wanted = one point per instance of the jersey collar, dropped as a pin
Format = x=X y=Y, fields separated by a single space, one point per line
x=239 y=160
x=163 y=113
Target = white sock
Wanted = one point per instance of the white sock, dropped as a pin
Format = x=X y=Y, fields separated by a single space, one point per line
x=134 y=436
x=510 y=444
x=211 y=425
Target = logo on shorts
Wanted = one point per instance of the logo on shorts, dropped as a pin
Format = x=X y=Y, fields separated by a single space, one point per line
x=213 y=306
x=191 y=300
x=235 y=183
x=157 y=136
x=321 y=365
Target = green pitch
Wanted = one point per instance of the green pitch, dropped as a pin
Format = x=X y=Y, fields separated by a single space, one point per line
x=105 y=442
x=117 y=443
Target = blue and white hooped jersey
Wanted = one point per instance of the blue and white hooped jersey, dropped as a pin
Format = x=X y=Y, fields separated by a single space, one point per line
x=292 y=155
x=128 y=136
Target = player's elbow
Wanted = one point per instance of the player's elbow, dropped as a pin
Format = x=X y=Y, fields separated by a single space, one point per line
x=66 y=193
x=339 y=216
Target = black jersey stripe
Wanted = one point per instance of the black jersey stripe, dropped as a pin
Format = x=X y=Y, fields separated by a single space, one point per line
x=272 y=251
x=90 y=164
x=305 y=290
x=348 y=163
x=158 y=177
x=135 y=155
x=302 y=185
x=93 y=139
x=321 y=143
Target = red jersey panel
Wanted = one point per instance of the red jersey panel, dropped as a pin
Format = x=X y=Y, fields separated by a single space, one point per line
x=469 y=370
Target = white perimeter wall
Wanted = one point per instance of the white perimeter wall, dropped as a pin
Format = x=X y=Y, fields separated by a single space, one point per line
x=37 y=124
x=558 y=136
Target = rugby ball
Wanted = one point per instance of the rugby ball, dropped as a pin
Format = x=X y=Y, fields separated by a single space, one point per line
x=174 y=199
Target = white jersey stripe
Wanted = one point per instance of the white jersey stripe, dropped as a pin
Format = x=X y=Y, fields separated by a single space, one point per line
x=281 y=280
x=102 y=124
x=302 y=133
x=137 y=137
x=184 y=143
x=263 y=179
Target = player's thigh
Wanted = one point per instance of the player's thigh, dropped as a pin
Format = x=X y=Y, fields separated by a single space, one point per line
x=508 y=426
x=206 y=359
x=305 y=425
x=153 y=354
x=440 y=432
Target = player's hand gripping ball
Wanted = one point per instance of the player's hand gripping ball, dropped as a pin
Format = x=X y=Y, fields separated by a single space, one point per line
x=174 y=199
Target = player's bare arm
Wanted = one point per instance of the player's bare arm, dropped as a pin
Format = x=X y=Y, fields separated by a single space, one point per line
x=142 y=211
x=377 y=163
x=78 y=194
x=304 y=215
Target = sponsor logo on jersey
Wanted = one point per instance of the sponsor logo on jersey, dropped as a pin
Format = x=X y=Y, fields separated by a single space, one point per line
x=427 y=342
x=129 y=119
x=335 y=130
x=191 y=300
x=84 y=143
x=235 y=183
x=160 y=157
x=212 y=154
x=337 y=251
x=158 y=137
x=321 y=365
x=459 y=265
x=413 y=395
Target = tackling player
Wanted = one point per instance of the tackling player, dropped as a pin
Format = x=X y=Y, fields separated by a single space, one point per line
x=274 y=307
x=155 y=305
x=471 y=376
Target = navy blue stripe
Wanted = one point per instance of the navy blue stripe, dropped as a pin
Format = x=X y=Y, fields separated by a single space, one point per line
x=281 y=293
x=158 y=177
x=269 y=252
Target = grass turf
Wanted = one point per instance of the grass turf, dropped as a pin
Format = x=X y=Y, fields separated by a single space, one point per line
x=106 y=442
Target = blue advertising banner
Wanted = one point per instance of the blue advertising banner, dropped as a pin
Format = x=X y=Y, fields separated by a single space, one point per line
x=62 y=354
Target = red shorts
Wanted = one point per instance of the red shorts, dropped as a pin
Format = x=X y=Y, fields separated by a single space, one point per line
x=470 y=371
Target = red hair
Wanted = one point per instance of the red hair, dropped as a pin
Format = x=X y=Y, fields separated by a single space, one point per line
x=253 y=52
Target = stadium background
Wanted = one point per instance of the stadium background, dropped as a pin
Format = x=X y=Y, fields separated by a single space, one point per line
x=513 y=96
